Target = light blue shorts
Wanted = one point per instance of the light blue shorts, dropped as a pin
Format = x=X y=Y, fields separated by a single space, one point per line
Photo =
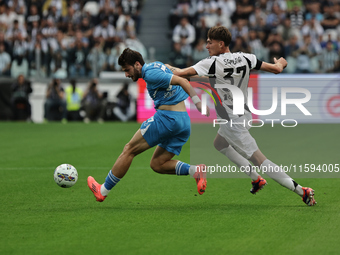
x=167 y=129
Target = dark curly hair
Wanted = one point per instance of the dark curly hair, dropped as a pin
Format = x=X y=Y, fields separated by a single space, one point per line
x=130 y=57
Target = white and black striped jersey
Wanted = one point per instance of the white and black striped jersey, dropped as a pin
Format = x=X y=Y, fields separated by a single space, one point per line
x=232 y=69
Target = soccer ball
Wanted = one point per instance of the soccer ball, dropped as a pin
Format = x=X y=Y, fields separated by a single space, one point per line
x=65 y=175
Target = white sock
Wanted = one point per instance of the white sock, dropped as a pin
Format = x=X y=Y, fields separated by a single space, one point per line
x=239 y=160
x=192 y=170
x=278 y=174
x=104 y=191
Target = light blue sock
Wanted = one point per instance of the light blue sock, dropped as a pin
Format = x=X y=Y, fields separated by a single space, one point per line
x=110 y=181
x=182 y=168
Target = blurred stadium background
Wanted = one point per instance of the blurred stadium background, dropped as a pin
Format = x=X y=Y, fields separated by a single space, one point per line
x=79 y=39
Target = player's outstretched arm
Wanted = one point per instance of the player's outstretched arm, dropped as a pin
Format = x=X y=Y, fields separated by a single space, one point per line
x=277 y=67
x=176 y=80
x=185 y=72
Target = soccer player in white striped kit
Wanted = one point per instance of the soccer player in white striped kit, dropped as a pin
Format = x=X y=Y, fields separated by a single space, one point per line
x=235 y=141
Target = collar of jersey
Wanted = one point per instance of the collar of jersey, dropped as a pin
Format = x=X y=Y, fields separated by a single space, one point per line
x=225 y=53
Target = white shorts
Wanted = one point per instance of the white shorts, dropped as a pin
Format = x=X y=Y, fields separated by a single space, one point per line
x=238 y=136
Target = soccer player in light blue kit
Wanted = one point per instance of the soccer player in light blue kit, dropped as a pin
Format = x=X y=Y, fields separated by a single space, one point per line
x=169 y=128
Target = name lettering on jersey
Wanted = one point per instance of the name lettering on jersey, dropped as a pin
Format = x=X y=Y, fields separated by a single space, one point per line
x=232 y=61
x=170 y=93
x=157 y=65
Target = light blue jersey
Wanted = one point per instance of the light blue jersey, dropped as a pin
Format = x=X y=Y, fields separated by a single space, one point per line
x=158 y=77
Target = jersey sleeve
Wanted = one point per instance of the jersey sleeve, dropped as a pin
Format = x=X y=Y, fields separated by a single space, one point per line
x=202 y=67
x=253 y=62
x=158 y=78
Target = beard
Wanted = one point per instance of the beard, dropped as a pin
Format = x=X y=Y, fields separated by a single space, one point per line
x=136 y=75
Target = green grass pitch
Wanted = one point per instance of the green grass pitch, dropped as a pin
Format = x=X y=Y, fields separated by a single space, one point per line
x=148 y=213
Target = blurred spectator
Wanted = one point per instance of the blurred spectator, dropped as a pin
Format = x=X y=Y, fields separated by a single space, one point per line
x=258 y=19
x=77 y=5
x=331 y=20
x=217 y=19
x=15 y=30
x=112 y=56
x=240 y=28
x=33 y=16
x=177 y=58
x=256 y=46
x=86 y=27
x=275 y=17
x=287 y=31
x=3 y=24
x=55 y=9
x=184 y=34
x=7 y=16
x=275 y=45
x=243 y=10
x=125 y=23
x=303 y=62
x=72 y=17
x=109 y=5
x=19 y=66
x=183 y=8
x=49 y=32
x=6 y=44
x=20 y=47
x=246 y=7
x=292 y=48
x=240 y=45
x=21 y=89
x=77 y=59
x=105 y=33
x=5 y=61
x=38 y=3
x=32 y=32
x=314 y=12
x=79 y=36
x=18 y=6
x=308 y=49
x=268 y=4
x=110 y=61
x=55 y=104
x=123 y=107
x=329 y=59
x=58 y=66
x=205 y=8
x=133 y=7
x=313 y=28
x=38 y=56
x=199 y=52
x=95 y=61
x=228 y=7
x=93 y=102
x=61 y=43
x=74 y=96
x=111 y=14
x=296 y=17
x=329 y=38
x=185 y=31
x=312 y=48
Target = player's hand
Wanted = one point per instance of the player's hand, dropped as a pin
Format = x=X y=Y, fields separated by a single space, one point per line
x=282 y=61
x=199 y=108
